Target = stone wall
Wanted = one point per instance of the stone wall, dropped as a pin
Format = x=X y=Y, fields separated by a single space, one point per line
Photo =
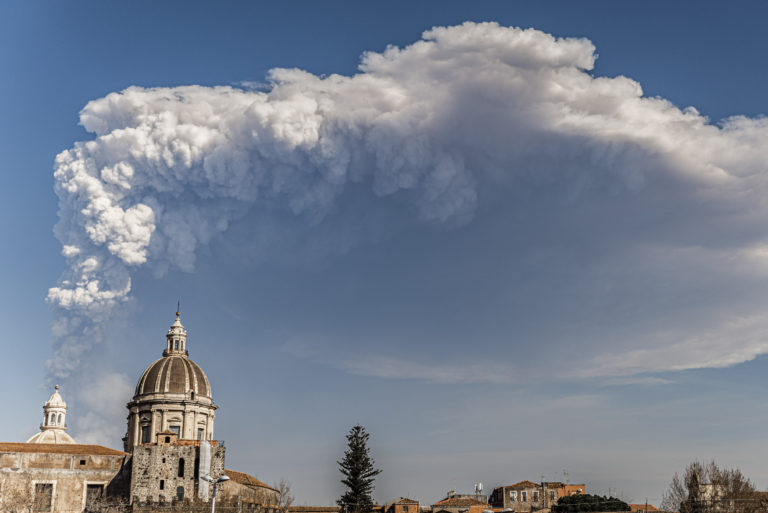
x=70 y=478
x=164 y=473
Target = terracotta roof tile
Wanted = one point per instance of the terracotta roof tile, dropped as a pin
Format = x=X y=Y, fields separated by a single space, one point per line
x=98 y=450
x=318 y=509
x=460 y=502
x=245 y=479
x=524 y=484
x=641 y=507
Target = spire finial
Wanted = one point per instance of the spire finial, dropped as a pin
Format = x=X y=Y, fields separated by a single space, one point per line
x=57 y=387
x=178 y=308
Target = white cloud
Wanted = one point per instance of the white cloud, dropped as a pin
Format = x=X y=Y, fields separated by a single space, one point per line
x=471 y=117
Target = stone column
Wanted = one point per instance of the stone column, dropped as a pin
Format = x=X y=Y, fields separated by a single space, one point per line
x=153 y=426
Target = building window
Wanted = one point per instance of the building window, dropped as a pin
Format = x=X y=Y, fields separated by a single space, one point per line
x=162 y=484
x=405 y=508
x=175 y=430
x=181 y=467
x=145 y=434
x=192 y=395
x=513 y=496
x=43 y=496
x=176 y=345
x=93 y=493
x=551 y=495
x=524 y=496
x=58 y=421
x=82 y=462
x=52 y=419
x=200 y=432
x=179 y=493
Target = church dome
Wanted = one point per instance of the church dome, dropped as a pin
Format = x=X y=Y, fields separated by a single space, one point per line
x=51 y=436
x=174 y=374
x=172 y=394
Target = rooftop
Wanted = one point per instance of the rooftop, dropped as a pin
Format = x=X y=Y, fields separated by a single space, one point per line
x=98 y=450
x=245 y=479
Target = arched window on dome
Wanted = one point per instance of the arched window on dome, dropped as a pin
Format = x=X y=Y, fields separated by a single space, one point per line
x=58 y=420
x=176 y=345
x=52 y=419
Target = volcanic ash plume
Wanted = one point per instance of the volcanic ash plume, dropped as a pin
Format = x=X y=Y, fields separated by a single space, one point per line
x=431 y=125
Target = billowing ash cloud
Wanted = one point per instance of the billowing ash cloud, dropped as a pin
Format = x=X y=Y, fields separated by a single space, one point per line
x=469 y=117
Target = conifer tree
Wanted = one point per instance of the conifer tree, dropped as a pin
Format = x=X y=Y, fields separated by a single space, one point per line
x=359 y=473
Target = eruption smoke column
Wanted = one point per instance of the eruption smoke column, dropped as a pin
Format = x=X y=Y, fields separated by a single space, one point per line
x=431 y=125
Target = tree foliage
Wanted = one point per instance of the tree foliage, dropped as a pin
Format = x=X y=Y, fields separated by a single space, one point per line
x=708 y=488
x=359 y=472
x=588 y=502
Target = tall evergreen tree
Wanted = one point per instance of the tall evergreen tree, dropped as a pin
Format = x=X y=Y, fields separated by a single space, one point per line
x=359 y=472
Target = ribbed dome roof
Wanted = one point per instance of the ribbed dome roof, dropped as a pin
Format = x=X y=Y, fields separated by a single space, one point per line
x=174 y=374
x=51 y=436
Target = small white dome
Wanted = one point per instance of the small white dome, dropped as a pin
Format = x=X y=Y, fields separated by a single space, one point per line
x=51 y=436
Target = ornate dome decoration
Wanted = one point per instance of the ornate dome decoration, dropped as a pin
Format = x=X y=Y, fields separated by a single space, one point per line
x=54 y=426
x=172 y=394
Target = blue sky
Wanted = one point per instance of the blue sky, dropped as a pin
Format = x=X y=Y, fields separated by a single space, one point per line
x=585 y=296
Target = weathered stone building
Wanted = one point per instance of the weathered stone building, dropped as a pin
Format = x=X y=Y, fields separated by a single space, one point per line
x=402 y=505
x=169 y=449
x=61 y=477
x=527 y=496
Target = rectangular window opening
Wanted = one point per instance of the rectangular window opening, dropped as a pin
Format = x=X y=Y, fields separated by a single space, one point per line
x=43 y=496
x=162 y=484
x=93 y=493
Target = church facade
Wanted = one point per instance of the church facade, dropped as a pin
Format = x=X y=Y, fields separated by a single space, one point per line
x=169 y=450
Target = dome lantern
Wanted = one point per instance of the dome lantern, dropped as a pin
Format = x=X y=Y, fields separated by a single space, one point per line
x=54 y=425
x=176 y=338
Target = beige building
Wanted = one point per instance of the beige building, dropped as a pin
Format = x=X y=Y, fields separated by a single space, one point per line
x=62 y=477
x=169 y=450
x=525 y=496
x=457 y=503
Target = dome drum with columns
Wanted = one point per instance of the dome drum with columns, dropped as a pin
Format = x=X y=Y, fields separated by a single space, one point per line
x=173 y=394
